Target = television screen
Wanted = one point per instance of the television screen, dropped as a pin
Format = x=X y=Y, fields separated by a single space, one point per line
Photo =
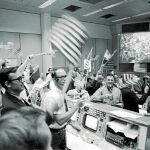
x=135 y=47
x=90 y=122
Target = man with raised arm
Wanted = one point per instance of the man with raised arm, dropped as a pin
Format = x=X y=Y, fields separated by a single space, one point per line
x=55 y=106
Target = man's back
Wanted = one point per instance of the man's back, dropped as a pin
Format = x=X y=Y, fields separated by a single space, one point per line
x=9 y=100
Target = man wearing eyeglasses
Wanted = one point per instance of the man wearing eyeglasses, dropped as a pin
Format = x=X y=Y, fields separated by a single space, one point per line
x=55 y=106
x=11 y=80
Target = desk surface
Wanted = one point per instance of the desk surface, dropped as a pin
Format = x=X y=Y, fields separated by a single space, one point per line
x=142 y=120
x=76 y=143
x=81 y=140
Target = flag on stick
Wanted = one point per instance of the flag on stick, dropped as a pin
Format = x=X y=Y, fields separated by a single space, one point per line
x=110 y=57
x=87 y=65
x=107 y=57
x=90 y=54
x=52 y=52
x=68 y=35
x=17 y=51
x=87 y=61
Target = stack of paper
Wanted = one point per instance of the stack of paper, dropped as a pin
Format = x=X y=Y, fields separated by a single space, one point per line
x=130 y=131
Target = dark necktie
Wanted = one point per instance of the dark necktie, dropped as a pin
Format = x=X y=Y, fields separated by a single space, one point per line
x=26 y=90
x=27 y=104
x=27 y=94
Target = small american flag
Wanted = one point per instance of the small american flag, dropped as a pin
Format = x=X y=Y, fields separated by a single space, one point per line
x=107 y=55
x=17 y=51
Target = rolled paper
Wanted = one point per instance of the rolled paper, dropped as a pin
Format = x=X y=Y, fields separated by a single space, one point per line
x=40 y=54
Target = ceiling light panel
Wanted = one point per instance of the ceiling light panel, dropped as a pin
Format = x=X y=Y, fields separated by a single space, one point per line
x=93 y=12
x=141 y=14
x=115 y=4
x=121 y=19
x=47 y=3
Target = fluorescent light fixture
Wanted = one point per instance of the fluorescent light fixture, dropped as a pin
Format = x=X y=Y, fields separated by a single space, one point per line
x=142 y=14
x=121 y=19
x=116 y=4
x=47 y=3
x=93 y=12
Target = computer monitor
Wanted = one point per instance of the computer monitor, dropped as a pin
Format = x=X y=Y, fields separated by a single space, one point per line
x=90 y=122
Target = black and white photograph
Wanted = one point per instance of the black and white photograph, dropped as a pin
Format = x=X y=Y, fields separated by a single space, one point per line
x=74 y=74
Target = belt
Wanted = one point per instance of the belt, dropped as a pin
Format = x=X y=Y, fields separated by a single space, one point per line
x=56 y=130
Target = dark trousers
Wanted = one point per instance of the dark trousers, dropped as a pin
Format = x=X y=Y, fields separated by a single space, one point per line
x=58 y=139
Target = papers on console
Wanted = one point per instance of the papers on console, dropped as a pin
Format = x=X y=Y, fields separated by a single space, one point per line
x=125 y=114
x=130 y=131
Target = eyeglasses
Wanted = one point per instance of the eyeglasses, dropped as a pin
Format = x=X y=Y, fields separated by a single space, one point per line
x=19 y=79
x=62 y=76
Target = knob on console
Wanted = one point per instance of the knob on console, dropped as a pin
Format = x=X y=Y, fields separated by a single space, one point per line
x=86 y=108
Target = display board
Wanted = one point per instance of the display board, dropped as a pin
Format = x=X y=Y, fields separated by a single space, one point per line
x=134 y=47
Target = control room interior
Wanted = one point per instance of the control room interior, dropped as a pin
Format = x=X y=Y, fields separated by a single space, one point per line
x=122 y=27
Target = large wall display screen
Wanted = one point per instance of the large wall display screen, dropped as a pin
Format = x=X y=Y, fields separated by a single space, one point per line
x=135 y=47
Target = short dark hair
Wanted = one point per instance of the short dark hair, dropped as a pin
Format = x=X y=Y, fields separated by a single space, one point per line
x=3 y=64
x=50 y=69
x=4 y=74
x=111 y=75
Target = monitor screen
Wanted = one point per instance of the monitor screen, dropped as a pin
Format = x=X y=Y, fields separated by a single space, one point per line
x=135 y=47
x=90 y=122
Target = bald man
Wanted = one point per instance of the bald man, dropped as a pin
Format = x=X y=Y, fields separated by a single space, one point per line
x=55 y=106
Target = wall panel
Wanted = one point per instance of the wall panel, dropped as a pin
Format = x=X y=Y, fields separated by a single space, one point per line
x=31 y=44
x=15 y=21
x=6 y=37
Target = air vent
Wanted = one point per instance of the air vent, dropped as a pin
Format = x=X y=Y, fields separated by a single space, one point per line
x=72 y=8
x=147 y=18
x=91 y=1
x=135 y=27
x=107 y=16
